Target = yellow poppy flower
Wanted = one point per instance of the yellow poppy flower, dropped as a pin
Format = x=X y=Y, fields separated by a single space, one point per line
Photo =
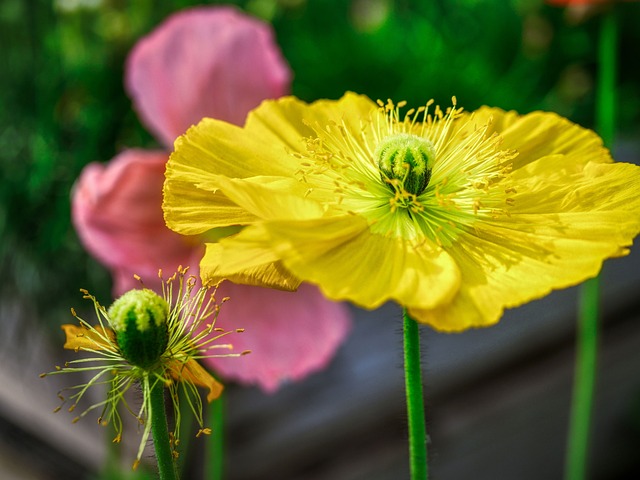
x=454 y=215
x=153 y=341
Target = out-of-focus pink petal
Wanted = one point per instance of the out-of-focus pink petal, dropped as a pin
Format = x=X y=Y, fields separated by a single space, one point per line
x=204 y=62
x=117 y=212
x=290 y=334
x=124 y=280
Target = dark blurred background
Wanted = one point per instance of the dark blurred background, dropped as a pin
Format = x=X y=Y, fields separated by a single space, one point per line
x=497 y=399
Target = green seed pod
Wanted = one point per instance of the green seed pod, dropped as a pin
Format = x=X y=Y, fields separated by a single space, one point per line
x=139 y=319
x=407 y=158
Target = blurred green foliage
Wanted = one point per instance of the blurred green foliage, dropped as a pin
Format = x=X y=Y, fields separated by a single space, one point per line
x=62 y=103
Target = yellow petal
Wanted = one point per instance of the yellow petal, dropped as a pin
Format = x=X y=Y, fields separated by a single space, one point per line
x=505 y=267
x=190 y=210
x=267 y=197
x=245 y=259
x=193 y=372
x=567 y=218
x=554 y=184
x=263 y=147
x=286 y=121
x=348 y=262
x=539 y=134
x=214 y=146
x=81 y=338
x=210 y=148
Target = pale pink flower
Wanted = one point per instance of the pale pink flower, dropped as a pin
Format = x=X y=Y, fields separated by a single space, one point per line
x=216 y=62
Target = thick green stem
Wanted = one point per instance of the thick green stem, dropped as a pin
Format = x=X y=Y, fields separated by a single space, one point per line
x=587 y=343
x=160 y=431
x=215 y=441
x=415 y=401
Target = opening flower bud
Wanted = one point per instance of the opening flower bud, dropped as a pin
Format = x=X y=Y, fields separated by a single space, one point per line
x=139 y=319
x=407 y=158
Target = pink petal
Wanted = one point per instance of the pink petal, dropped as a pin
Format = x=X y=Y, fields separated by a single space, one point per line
x=290 y=335
x=117 y=212
x=204 y=62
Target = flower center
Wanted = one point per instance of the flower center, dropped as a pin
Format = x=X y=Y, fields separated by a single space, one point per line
x=406 y=159
x=139 y=318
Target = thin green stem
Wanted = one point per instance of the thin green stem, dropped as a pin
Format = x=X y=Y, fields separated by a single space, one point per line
x=606 y=89
x=587 y=341
x=215 y=441
x=584 y=382
x=160 y=431
x=415 y=400
x=187 y=422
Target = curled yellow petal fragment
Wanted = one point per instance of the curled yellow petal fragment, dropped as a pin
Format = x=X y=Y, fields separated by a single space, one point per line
x=81 y=338
x=192 y=371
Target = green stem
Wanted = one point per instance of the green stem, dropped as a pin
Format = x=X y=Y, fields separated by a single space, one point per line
x=415 y=401
x=187 y=422
x=160 y=431
x=582 y=402
x=587 y=342
x=606 y=88
x=215 y=457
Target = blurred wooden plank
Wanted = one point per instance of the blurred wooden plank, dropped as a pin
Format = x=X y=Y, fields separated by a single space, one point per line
x=16 y=470
x=29 y=402
x=514 y=426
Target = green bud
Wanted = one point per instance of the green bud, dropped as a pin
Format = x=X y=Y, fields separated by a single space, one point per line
x=139 y=319
x=407 y=158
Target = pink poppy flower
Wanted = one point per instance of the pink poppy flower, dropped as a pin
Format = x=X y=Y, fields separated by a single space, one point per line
x=216 y=62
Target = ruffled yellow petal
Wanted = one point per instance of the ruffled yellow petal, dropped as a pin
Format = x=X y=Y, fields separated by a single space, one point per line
x=554 y=184
x=351 y=263
x=262 y=148
x=220 y=147
x=372 y=269
x=193 y=372
x=190 y=210
x=210 y=148
x=287 y=120
x=81 y=338
x=540 y=134
x=267 y=197
x=504 y=267
x=245 y=259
